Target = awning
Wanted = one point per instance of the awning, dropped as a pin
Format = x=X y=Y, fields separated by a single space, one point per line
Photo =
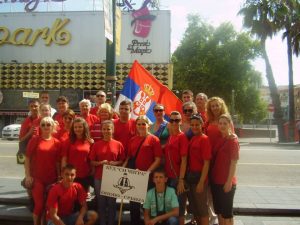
x=13 y=113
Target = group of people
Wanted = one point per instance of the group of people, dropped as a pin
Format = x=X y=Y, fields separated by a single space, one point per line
x=191 y=157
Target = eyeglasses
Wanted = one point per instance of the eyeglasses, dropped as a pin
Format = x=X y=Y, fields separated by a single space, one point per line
x=100 y=96
x=45 y=125
x=174 y=120
x=141 y=124
x=158 y=110
x=188 y=110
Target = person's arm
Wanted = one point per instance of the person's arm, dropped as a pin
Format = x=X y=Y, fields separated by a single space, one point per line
x=28 y=177
x=147 y=217
x=204 y=172
x=232 y=169
x=98 y=163
x=180 y=185
x=63 y=161
x=155 y=164
x=82 y=212
x=115 y=163
x=174 y=212
x=125 y=162
x=28 y=134
x=54 y=217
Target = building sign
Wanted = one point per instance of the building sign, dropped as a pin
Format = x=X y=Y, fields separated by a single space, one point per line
x=139 y=47
x=124 y=183
x=30 y=5
x=26 y=36
x=30 y=95
x=79 y=37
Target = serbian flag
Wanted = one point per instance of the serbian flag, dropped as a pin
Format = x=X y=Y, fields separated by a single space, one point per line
x=145 y=91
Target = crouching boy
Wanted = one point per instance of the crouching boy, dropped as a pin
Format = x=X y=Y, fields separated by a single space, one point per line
x=66 y=202
x=161 y=205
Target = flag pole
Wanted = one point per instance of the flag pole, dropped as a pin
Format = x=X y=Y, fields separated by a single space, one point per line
x=120 y=212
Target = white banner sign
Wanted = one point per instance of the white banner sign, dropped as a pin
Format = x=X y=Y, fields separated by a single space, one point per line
x=124 y=183
x=108 y=19
x=30 y=95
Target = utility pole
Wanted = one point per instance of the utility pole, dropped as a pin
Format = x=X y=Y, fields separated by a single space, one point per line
x=111 y=61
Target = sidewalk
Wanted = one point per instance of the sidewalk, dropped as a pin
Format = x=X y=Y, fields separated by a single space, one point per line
x=248 y=201
x=266 y=141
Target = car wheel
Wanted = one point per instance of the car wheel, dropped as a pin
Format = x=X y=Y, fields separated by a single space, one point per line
x=20 y=158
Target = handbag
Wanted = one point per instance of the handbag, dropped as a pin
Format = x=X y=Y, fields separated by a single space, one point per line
x=131 y=161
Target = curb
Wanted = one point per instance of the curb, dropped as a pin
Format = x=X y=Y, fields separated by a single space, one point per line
x=266 y=212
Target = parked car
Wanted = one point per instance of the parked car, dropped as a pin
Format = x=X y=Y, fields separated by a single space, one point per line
x=11 y=132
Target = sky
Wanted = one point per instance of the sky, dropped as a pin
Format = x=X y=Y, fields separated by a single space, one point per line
x=213 y=11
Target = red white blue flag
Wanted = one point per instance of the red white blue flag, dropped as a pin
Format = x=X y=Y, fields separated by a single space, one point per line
x=145 y=91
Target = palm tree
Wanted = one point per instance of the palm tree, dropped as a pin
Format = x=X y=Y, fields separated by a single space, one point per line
x=287 y=18
x=258 y=17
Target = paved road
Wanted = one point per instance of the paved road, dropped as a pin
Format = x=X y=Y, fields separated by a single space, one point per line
x=8 y=166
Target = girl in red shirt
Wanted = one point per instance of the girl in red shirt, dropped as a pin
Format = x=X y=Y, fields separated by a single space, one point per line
x=198 y=166
x=223 y=172
x=42 y=165
x=111 y=152
x=76 y=150
x=146 y=150
x=176 y=151
x=62 y=133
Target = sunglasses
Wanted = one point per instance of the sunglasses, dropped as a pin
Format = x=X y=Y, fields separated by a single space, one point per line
x=45 y=125
x=141 y=124
x=174 y=120
x=188 y=110
x=158 y=110
x=100 y=96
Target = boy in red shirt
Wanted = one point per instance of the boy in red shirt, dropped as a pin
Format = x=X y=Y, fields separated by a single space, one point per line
x=62 y=198
x=124 y=127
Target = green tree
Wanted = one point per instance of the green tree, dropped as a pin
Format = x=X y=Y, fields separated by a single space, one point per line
x=217 y=61
x=259 y=18
x=287 y=18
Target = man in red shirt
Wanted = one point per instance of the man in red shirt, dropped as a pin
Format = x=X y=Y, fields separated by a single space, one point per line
x=62 y=104
x=200 y=101
x=125 y=127
x=100 y=99
x=62 y=198
x=29 y=128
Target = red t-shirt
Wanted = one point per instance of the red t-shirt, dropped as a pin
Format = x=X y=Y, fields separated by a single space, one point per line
x=203 y=115
x=199 y=150
x=123 y=132
x=62 y=135
x=176 y=147
x=227 y=150
x=149 y=150
x=106 y=150
x=63 y=199
x=214 y=135
x=59 y=118
x=77 y=154
x=94 y=110
x=96 y=132
x=90 y=119
x=44 y=155
x=27 y=124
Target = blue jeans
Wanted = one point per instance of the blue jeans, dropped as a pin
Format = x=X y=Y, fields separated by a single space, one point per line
x=106 y=206
x=173 y=221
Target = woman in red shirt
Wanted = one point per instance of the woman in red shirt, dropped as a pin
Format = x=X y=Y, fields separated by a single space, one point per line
x=85 y=107
x=198 y=165
x=105 y=112
x=42 y=165
x=176 y=151
x=111 y=152
x=62 y=133
x=76 y=150
x=145 y=148
x=223 y=172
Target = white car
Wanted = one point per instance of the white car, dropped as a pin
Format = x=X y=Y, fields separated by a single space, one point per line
x=11 y=132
